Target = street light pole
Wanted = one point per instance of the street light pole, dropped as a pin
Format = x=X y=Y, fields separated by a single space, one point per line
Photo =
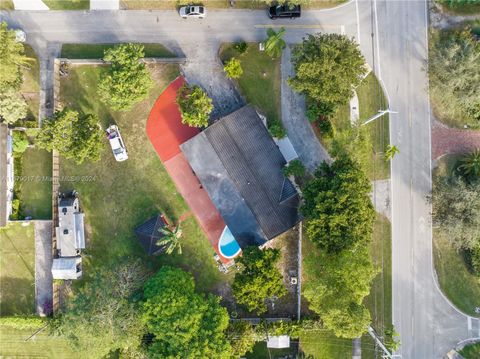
x=379 y=114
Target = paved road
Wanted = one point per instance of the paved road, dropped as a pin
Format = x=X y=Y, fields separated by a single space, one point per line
x=428 y=325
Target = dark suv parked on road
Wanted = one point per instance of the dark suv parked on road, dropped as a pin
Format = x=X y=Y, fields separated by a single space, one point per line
x=284 y=11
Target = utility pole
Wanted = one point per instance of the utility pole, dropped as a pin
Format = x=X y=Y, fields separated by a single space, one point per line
x=379 y=114
x=386 y=352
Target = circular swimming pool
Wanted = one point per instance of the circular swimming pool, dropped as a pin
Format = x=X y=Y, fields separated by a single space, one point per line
x=228 y=246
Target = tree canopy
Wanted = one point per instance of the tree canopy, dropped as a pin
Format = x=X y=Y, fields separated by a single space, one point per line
x=75 y=137
x=327 y=68
x=337 y=286
x=456 y=211
x=12 y=105
x=275 y=43
x=183 y=323
x=127 y=81
x=233 y=68
x=12 y=57
x=337 y=206
x=454 y=74
x=102 y=317
x=195 y=105
x=259 y=279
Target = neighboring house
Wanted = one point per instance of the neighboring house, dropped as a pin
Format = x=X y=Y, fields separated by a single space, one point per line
x=240 y=166
x=149 y=234
x=70 y=235
x=6 y=174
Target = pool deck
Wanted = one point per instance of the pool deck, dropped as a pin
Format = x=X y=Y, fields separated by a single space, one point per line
x=166 y=133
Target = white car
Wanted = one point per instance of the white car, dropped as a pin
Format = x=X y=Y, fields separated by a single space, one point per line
x=199 y=12
x=117 y=144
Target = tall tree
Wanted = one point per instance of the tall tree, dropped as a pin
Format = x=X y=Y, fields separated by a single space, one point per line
x=456 y=211
x=327 y=68
x=75 y=137
x=259 y=279
x=12 y=105
x=128 y=81
x=195 y=105
x=454 y=75
x=275 y=43
x=12 y=57
x=102 y=317
x=337 y=286
x=183 y=323
x=337 y=206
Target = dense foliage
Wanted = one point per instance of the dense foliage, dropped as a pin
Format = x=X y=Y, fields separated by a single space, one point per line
x=183 y=323
x=259 y=279
x=242 y=337
x=458 y=4
x=73 y=136
x=275 y=43
x=128 y=81
x=454 y=76
x=456 y=211
x=102 y=317
x=336 y=287
x=294 y=168
x=337 y=206
x=327 y=68
x=195 y=106
x=12 y=57
x=20 y=142
x=233 y=68
x=469 y=166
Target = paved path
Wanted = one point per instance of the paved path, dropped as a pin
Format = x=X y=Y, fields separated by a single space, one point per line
x=43 y=266
x=47 y=55
x=393 y=38
x=298 y=127
x=30 y=5
x=453 y=141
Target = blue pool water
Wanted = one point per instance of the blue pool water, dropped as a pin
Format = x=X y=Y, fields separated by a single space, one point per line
x=228 y=246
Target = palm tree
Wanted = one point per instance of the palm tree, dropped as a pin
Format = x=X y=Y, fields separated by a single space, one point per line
x=171 y=239
x=470 y=164
x=275 y=43
x=391 y=151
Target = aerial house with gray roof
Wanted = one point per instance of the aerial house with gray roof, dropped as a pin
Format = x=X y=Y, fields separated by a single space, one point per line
x=240 y=166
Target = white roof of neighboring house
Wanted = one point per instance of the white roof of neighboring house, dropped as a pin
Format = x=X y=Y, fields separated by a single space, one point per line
x=70 y=232
x=66 y=268
x=278 y=342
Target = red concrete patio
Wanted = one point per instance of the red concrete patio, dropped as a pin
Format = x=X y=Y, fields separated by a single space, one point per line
x=453 y=141
x=166 y=133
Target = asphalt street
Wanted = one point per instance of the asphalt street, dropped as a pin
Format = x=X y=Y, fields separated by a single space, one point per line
x=393 y=38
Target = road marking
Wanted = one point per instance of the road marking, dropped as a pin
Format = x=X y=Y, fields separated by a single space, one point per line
x=291 y=26
x=342 y=29
x=358 y=21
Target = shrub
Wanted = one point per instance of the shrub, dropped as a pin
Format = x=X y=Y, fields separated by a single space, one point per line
x=233 y=68
x=20 y=142
x=21 y=323
x=195 y=105
x=294 y=168
x=276 y=129
x=325 y=126
x=12 y=105
x=241 y=47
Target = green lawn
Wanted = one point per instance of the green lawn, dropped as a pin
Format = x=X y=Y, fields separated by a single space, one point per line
x=67 y=4
x=13 y=345
x=471 y=351
x=95 y=51
x=35 y=185
x=122 y=195
x=260 y=351
x=456 y=282
x=379 y=301
x=261 y=79
x=6 y=5
x=30 y=86
x=322 y=344
x=17 y=269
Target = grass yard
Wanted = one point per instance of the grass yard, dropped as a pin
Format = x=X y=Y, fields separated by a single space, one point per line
x=30 y=86
x=118 y=196
x=261 y=79
x=260 y=351
x=68 y=4
x=379 y=301
x=456 y=281
x=218 y=4
x=6 y=5
x=17 y=270
x=13 y=345
x=322 y=344
x=471 y=351
x=35 y=184
x=95 y=51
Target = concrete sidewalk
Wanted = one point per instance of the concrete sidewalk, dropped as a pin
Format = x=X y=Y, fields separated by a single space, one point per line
x=43 y=267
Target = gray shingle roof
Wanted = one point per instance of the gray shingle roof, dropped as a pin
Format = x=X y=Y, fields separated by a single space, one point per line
x=240 y=166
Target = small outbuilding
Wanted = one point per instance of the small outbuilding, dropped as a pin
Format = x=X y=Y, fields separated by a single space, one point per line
x=278 y=342
x=149 y=234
